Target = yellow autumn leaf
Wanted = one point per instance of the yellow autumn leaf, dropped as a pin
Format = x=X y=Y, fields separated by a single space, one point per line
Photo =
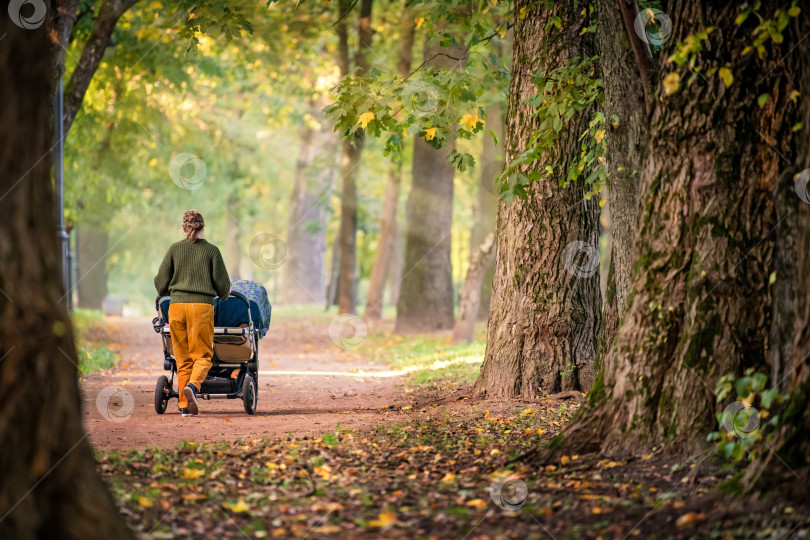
x=323 y=471
x=726 y=75
x=449 y=477
x=602 y=203
x=540 y=431
x=419 y=21
x=477 y=503
x=430 y=134
x=365 y=118
x=146 y=503
x=599 y=135
x=672 y=83
x=469 y=121
x=564 y=460
x=193 y=473
x=153 y=162
x=385 y=519
x=689 y=518
x=528 y=411
x=240 y=506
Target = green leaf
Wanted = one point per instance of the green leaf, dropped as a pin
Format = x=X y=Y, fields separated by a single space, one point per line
x=762 y=99
x=557 y=22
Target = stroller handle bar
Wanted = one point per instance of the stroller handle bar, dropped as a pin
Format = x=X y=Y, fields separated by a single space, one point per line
x=235 y=294
x=217 y=331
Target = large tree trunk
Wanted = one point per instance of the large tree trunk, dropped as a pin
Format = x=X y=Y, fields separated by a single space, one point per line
x=92 y=253
x=351 y=161
x=700 y=305
x=426 y=299
x=50 y=484
x=470 y=297
x=485 y=215
x=545 y=310
x=395 y=267
x=388 y=226
x=304 y=272
x=624 y=97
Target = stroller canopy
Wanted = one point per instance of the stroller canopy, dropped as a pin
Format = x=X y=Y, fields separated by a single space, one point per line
x=233 y=311
x=260 y=309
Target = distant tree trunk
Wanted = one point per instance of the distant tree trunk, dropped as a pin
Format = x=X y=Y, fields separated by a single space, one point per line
x=485 y=214
x=92 y=279
x=233 y=249
x=545 y=311
x=50 y=483
x=624 y=98
x=334 y=272
x=304 y=274
x=426 y=299
x=395 y=268
x=382 y=259
x=700 y=305
x=351 y=161
x=471 y=291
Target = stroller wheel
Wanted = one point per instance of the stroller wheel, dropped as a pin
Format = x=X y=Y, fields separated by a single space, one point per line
x=249 y=394
x=162 y=391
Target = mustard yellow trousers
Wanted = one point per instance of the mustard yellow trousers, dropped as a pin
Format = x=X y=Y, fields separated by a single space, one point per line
x=192 y=330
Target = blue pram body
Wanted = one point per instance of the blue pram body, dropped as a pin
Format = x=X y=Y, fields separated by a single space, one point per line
x=240 y=321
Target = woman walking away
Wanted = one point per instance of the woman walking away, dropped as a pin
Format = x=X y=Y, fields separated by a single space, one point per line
x=192 y=273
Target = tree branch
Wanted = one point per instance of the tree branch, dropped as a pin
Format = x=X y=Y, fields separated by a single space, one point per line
x=108 y=15
x=643 y=57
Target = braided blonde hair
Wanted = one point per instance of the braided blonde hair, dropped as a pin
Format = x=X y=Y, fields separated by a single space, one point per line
x=193 y=224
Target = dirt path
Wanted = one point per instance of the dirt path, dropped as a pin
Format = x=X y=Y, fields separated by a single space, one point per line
x=307 y=385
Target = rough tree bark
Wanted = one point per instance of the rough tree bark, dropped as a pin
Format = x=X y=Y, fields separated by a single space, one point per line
x=92 y=279
x=471 y=291
x=624 y=97
x=426 y=298
x=485 y=214
x=351 y=160
x=700 y=305
x=50 y=483
x=304 y=272
x=545 y=310
x=388 y=225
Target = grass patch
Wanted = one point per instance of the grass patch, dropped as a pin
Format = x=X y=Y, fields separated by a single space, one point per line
x=429 y=358
x=94 y=355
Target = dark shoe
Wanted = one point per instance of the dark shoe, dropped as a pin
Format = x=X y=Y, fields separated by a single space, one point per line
x=184 y=412
x=191 y=396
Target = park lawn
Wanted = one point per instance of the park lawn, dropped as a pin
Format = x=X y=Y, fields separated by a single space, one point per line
x=429 y=473
x=429 y=358
x=95 y=354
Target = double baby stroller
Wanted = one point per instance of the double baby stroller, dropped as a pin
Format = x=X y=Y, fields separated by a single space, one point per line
x=239 y=322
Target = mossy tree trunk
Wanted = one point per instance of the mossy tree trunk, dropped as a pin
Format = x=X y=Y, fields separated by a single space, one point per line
x=50 y=484
x=624 y=97
x=544 y=318
x=700 y=305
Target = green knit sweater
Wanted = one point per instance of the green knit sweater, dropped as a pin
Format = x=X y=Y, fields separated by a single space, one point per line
x=193 y=272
